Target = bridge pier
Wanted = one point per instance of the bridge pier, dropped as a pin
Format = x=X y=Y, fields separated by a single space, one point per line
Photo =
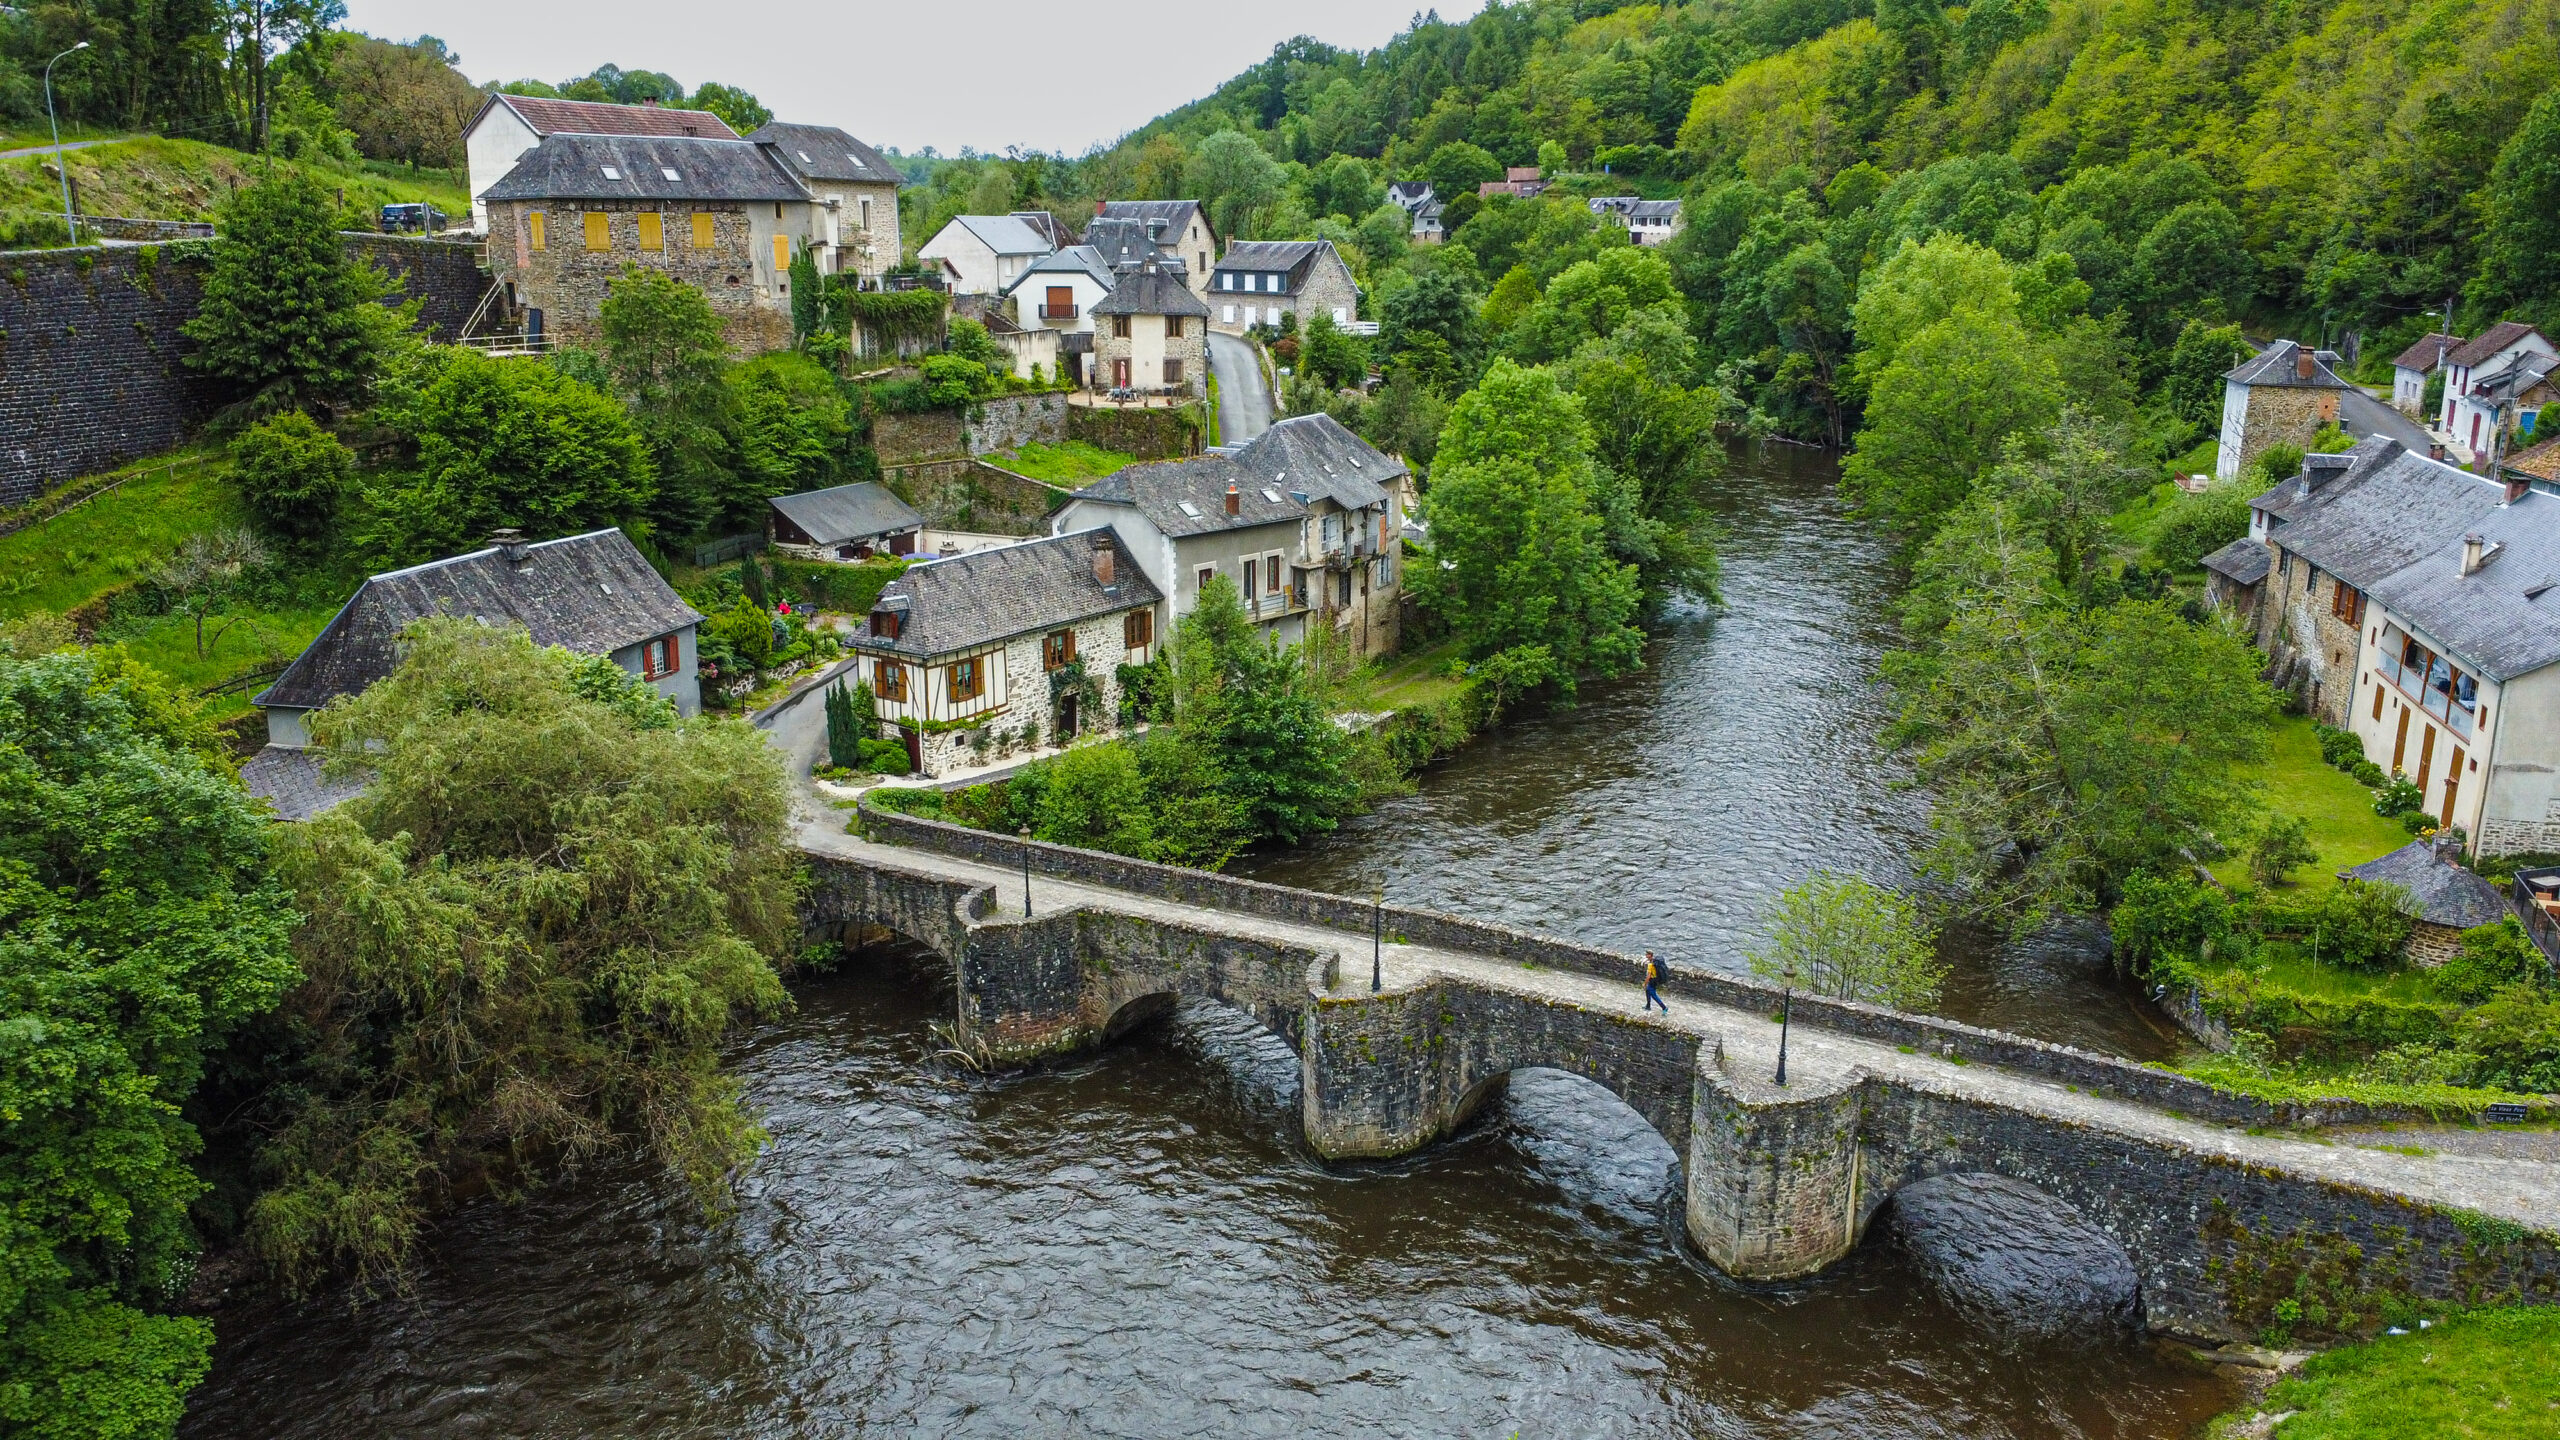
x=1775 y=1174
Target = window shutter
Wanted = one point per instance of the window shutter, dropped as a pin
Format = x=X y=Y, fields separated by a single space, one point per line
x=653 y=233
x=702 y=230
x=533 y=228
x=781 y=255
x=599 y=230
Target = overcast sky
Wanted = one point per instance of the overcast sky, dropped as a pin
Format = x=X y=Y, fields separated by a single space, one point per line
x=988 y=73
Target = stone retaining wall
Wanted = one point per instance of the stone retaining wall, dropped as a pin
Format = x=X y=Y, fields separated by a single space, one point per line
x=1149 y=434
x=1009 y=422
x=975 y=496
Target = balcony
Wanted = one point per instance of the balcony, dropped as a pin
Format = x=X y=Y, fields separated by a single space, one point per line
x=1060 y=312
x=2434 y=686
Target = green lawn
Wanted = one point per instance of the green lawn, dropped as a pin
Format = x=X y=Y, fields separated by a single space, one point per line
x=2134 y=523
x=153 y=178
x=1417 y=677
x=2485 y=1375
x=116 y=537
x=2344 y=828
x=1069 y=462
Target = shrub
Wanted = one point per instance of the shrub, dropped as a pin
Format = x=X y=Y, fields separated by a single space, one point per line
x=2514 y=1041
x=2283 y=845
x=2417 y=822
x=884 y=757
x=2196 y=525
x=2368 y=774
x=2399 y=797
x=2168 y=918
x=2491 y=958
x=1847 y=937
x=2362 y=926
x=292 y=474
x=2341 y=748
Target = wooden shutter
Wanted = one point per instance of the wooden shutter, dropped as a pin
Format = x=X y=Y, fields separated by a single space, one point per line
x=533 y=228
x=1062 y=302
x=653 y=230
x=781 y=255
x=702 y=237
x=599 y=230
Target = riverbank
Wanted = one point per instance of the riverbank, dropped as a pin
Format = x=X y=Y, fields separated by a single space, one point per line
x=2484 y=1374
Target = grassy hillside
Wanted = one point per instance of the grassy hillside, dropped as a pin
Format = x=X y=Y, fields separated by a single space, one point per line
x=159 y=179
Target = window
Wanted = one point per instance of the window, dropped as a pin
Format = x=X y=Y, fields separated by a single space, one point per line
x=1340 y=315
x=1227 y=281
x=1227 y=314
x=701 y=229
x=1271 y=572
x=781 y=255
x=889 y=679
x=1138 y=629
x=1057 y=649
x=660 y=657
x=599 y=230
x=1250 y=567
x=533 y=228
x=1173 y=327
x=968 y=679
x=1062 y=303
x=2347 y=603
x=1173 y=372
x=866 y=212
x=653 y=230
x=1207 y=574
x=612 y=174
x=1119 y=327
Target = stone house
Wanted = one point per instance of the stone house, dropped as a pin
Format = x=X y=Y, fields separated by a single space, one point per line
x=1058 y=293
x=1151 y=334
x=2449 y=899
x=2411 y=367
x=1303 y=520
x=507 y=126
x=2234 y=576
x=721 y=215
x=2470 y=417
x=1259 y=280
x=593 y=594
x=2280 y=396
x=986 y=253
x=854 y=228
x=1648 y=222
x=843 y=522
x=1179 y=227
x=1006 y=648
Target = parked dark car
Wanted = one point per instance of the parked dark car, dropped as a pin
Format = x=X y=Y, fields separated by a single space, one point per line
x=412 y=217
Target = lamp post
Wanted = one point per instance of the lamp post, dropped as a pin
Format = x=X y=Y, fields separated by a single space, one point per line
x=1786 y=1011
x=1026 y=872
x=1377 y=938
x=61 y=166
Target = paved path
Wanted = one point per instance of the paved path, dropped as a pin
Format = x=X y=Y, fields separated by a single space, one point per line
x=1244 y=404
x=2360 y=415
x=57 y=149
x=2521 y=1190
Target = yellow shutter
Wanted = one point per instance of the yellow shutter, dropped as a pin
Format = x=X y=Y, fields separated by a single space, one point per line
x=599 y=230
x=701 y=229
x=781 y=254
x=652 y=231
x=533 y=228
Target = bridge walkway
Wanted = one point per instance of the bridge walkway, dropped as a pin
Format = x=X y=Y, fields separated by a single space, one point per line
x=2523 y=1191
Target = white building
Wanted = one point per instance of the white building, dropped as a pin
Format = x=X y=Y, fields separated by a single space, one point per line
x=987 y=253
x=2469 y=415
x=2411 y=367
x=1648 y=222
x=509 y=125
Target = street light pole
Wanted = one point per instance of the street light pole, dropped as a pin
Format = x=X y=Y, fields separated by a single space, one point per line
x=1377 y=938
x=1026 y=872
x=61 y=165
x=1786 y=1011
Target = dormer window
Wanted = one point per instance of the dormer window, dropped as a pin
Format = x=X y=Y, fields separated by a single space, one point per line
x=886 y=624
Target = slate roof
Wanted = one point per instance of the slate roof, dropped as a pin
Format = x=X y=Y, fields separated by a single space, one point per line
x=1294 y=257
x=594 y=117
x=1123 y=244
x=2515 y=378
x=2428 y=352
x=1411 y=194
x=1004 y=234
x=847 y=512
x=2446 y=893
x=1176 y=214
x=291 y=782
x=2274 y=366
x=590 y=593
x=572 y=167
x=1072 y=260
x=983 y=596
x=2242 y=562
x=2489 y=342
x=823 y=152
x=2391 y=508
x=1048 y=225
x=1276 y=475
x=2502 y=620
x=1153 y=290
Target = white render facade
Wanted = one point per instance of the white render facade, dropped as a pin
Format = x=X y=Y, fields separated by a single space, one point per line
x=1014 y=709
x=986 y=253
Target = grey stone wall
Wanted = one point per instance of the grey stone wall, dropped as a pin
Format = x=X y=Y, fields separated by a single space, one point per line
x=1009 y=422
x=89 y=361
x=568 y=282
x=443 y=276
x=973 y=495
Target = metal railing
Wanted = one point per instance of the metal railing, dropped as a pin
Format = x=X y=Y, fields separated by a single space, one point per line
x=2537 y=921
x=1060 y=312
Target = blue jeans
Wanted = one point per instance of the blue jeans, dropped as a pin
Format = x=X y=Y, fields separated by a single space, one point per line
x=1651 y=999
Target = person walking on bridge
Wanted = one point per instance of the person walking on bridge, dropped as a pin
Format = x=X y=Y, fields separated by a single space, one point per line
x=1652 y=977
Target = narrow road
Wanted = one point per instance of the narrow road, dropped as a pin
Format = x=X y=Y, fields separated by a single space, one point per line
x=2361 y=415
x=2522 y=1190
x=56 y=149
x=1244 y=405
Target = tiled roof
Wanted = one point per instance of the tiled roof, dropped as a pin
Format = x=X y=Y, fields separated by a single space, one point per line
x=2428 y=352
x=847 y=512
x=1153 y=290
x=2489 y=342
x=1275 y=475
x=2275 y=366
x=1317 y=454
x=643 y=167
x=2501 y=620
x=822 y=152
x=590 y=593
x=2516 y=378
x=1004 y=234
x=1411 y=194
x=984 y=596
x=2542 y=462
x=592 y=117
x=2243 y=562
x=291 y=782
x=2390 y=508
x=2446 y=893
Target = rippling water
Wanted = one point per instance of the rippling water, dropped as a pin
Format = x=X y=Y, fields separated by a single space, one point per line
x=1667 y=810
x=1138 y=1246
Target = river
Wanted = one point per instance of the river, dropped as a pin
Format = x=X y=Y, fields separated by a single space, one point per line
x=1138 y=1245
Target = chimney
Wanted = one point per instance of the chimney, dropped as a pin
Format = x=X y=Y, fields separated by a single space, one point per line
x=511 y=541
x=1235 y=499
x=2301 y=363
x=1102 y=559
x=1097 y=208
x=2435 y=450
x=2471 y=554
x=648 y=102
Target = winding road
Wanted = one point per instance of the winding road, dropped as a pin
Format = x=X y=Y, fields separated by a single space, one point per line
x=1244 y=405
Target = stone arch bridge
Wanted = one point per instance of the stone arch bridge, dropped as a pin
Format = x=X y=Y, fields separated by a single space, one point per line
x=2214 y=1200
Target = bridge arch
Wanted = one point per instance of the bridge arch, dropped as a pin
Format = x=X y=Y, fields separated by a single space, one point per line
x=2013 y=1250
